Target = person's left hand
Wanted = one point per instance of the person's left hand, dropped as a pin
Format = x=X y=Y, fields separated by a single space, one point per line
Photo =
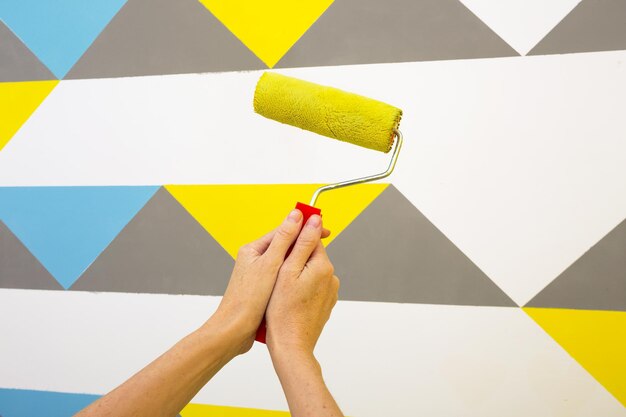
x=253 y=278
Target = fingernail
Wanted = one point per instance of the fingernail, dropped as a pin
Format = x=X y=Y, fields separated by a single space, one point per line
x=295 y=216
x=314 y=221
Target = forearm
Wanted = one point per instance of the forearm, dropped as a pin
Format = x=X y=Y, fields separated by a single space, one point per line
x=167 y=384
x=301 y=378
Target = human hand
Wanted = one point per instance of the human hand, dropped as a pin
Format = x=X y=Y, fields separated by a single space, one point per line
x=254 y=275
x=169 y=382
x=305 y=292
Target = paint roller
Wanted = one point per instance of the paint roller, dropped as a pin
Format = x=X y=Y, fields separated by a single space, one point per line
x=333 y=113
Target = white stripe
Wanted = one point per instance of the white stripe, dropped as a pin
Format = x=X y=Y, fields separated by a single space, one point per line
x=378 y=358
x=201 y=128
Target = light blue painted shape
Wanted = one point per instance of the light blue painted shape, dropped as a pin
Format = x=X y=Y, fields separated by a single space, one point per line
x=27 y=403
x=66 y=228
x=58 y=31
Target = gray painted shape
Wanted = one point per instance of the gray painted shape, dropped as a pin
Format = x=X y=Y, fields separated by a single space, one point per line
x=596 y=281
x=392 y=253
x=163 y=249
x=19 y=268
x=157 y=37
x=593 y=25
x=374 y=31
x=17 y=62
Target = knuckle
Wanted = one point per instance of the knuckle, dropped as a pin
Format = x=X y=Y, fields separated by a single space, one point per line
x=337 y=282
x=271 y=263
x=284 y=232
x=287 y=269
x=326 y=269
x=329 y=269
x=244 y=250
x=307 y=240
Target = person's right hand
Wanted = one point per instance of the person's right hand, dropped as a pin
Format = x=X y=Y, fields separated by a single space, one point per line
x=304 y=294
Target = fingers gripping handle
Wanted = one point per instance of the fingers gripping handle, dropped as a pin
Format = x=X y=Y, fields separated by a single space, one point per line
x=307 y=211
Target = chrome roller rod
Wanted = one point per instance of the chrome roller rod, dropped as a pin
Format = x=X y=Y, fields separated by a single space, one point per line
x=390 y=168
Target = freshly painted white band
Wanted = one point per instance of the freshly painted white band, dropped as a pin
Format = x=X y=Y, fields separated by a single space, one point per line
x=378 y=358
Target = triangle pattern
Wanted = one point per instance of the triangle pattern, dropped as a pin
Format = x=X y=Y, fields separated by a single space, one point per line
x=596 y=339
x=66 y=228
x=17 y=62
x=58 y=32
x=161 y=250
x=149 y=37
x=592 y=26
x=19 y=268
x=29 y=403
x=238 y=214
x=373 y=31
x=522 y=23
x=269 y=28
x=201 y=410
x=596 y=281
x=17 y=102
x=392 y=253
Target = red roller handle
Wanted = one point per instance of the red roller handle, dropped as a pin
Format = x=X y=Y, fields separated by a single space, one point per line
x=307 y=211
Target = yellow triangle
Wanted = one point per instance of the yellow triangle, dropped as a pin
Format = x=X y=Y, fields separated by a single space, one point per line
x=237 y=214
x=17 y=102
x=201 y=410
x=596 y=339
x=268 y=28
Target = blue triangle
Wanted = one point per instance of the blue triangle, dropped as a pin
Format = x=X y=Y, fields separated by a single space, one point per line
x=58 y=31
x=66 y=228
x=27 y=403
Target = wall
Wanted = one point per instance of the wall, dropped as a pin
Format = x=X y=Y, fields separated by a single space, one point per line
x=487 y=278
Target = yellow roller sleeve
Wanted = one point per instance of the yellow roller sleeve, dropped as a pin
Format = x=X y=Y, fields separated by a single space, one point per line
x=327 y=111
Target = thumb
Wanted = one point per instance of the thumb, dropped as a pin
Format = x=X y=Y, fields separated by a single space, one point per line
x=284 y=237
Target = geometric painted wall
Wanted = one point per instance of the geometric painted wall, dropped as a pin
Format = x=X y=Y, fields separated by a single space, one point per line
x=492 y=267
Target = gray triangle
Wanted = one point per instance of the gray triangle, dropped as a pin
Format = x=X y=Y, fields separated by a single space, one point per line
x=153 y=37
x=161 y=250
x=19 y=268
x=593 y=25
x=392 y=253
x=596 y=281
x=17 y=62
x=374 y=31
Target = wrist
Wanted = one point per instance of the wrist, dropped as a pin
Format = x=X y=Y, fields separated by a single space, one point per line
x=292 y=365
x=290 y=353
x=239 y=319
x=230 y=334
